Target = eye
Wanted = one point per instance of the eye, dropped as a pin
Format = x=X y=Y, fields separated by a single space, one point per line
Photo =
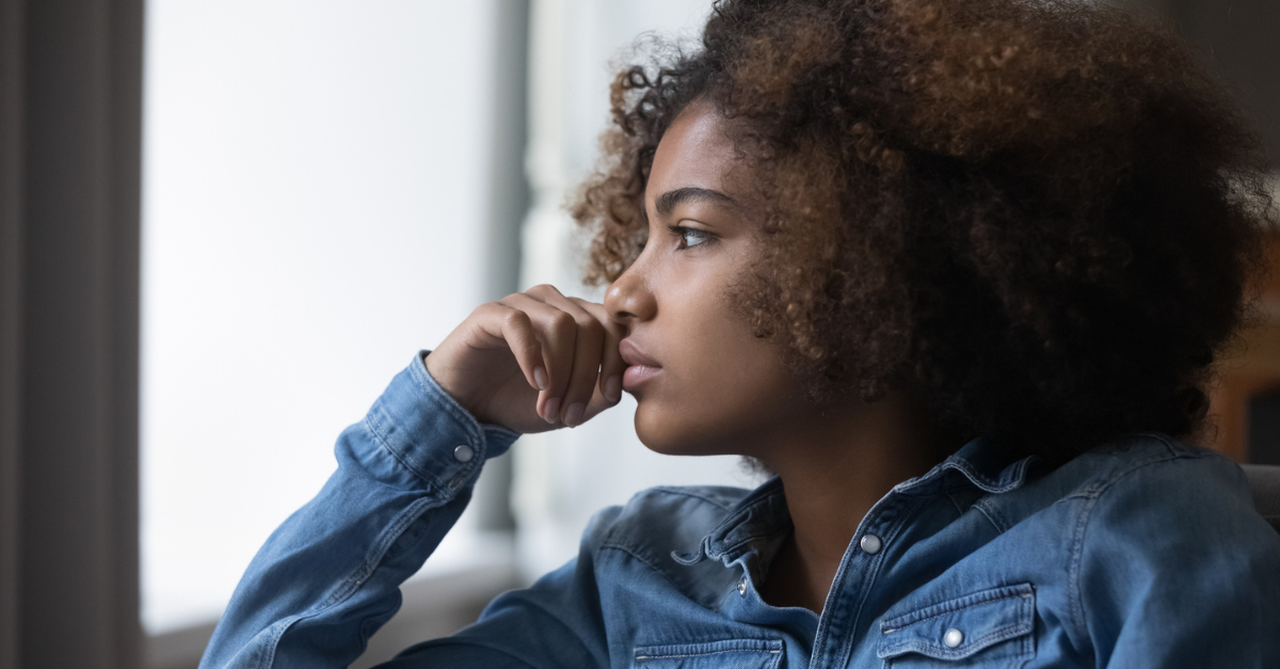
x=691 y=237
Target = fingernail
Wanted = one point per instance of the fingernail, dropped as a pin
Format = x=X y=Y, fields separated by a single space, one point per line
x=551 y=412
x=573 y=417
x=613 y=388
x=540 y=377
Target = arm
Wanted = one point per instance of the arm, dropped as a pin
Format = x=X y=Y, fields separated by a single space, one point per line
x=330 y=575
x=557 y=622
x=1178 y=570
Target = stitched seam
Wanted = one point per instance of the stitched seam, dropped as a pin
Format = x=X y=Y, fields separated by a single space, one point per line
x=947 y=611
x=379 y=551
x=270 y=658
x=1077 y=551
x=877 y=565
x=949 y=606
x=737 y=517
x=1086 y=515
x=749 y=539
x=614 y=541
x=714 y=652
x=1097 y=488
x=991 y=516
x=465 y=420
x=353 y=582
x=915 y=645
x=383 y=442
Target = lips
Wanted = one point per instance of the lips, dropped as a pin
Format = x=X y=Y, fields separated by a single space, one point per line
x=640 y=367
x=633 y=356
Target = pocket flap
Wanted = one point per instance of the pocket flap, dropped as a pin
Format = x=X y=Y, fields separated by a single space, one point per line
x=960 y=627
x=744 y=653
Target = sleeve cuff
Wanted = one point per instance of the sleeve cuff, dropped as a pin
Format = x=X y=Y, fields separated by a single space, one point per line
x=429 y=433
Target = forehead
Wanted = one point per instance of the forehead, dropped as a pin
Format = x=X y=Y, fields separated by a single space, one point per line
x=693 y=153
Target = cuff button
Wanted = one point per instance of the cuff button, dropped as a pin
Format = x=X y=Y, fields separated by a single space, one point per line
x=463 y=453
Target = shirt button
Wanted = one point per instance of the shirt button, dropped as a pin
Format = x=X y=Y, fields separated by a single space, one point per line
x=463 y=453
x=742 y=586
x=953 y=638
x=870 y=544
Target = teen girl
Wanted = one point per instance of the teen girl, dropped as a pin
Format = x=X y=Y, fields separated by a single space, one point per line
x=954 y=271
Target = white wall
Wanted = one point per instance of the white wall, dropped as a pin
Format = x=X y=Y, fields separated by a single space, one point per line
x=313 y=215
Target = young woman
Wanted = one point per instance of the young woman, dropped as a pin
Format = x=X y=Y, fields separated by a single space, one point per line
x=955 y=272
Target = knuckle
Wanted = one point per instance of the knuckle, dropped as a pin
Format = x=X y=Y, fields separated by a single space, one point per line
x=516 y=319
x=590 y=325
x=563 y=322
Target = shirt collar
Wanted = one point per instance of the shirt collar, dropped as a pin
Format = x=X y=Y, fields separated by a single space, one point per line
x=762 y=514
x=981 y=461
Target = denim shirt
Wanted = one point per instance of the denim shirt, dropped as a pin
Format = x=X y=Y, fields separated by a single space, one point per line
x=1147 y=553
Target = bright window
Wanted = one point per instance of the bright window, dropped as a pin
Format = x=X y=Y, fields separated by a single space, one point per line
x=314 y=213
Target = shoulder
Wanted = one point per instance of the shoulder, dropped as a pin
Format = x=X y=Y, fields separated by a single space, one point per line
x=1160 y=515
x=1161 y=525
x=1155 y=492
x=1151 y=476
x=658 y=521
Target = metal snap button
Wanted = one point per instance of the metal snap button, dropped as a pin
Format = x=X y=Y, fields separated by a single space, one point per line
x=742 y=586
x=463 y=453
x=953 y=638
x=870 y=544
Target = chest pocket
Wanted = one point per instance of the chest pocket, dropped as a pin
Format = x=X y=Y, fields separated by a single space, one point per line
x=990 y=629
x=727 y=654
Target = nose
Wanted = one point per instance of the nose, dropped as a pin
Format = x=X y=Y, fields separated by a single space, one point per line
x=629 y=298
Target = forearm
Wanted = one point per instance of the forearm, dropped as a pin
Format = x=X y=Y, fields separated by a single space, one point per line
x=329 y=576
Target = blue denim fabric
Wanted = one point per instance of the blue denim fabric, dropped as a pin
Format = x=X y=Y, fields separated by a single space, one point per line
x=1147 y=553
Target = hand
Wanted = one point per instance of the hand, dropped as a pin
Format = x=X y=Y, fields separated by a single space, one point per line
x=533 y=361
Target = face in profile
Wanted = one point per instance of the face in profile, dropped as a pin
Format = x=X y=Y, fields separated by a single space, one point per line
x=703 y=382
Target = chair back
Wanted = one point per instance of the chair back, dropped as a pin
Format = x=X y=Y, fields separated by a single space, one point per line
x=1264 y=481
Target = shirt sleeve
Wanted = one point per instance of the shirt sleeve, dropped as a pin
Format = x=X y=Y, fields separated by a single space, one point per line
x=329 y=576
x=1177 y=569
x=555 y=623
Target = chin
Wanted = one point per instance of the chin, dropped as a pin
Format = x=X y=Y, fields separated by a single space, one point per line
x=662 y=432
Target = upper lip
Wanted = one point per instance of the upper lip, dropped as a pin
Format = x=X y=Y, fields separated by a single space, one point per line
x=633 y=356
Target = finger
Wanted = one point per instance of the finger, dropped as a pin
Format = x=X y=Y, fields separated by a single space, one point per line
x=514 y=328
x=557 y=331
x=611 y=363
x=588 y=345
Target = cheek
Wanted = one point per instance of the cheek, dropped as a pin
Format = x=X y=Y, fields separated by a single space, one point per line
x=727 y=393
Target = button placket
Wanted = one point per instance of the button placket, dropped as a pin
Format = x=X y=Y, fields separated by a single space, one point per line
x=844 y=618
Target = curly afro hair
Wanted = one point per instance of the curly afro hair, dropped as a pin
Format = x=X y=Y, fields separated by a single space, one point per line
x=1041 y=214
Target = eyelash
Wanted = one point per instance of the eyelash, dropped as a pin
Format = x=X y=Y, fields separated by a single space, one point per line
x=681 y=232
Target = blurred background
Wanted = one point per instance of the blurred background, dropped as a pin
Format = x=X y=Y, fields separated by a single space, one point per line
x=227 y=225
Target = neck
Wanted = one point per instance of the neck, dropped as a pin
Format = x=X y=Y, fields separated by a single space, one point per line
x=833 y=471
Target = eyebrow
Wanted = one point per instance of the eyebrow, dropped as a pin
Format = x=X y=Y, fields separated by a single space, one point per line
x=668 y=200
